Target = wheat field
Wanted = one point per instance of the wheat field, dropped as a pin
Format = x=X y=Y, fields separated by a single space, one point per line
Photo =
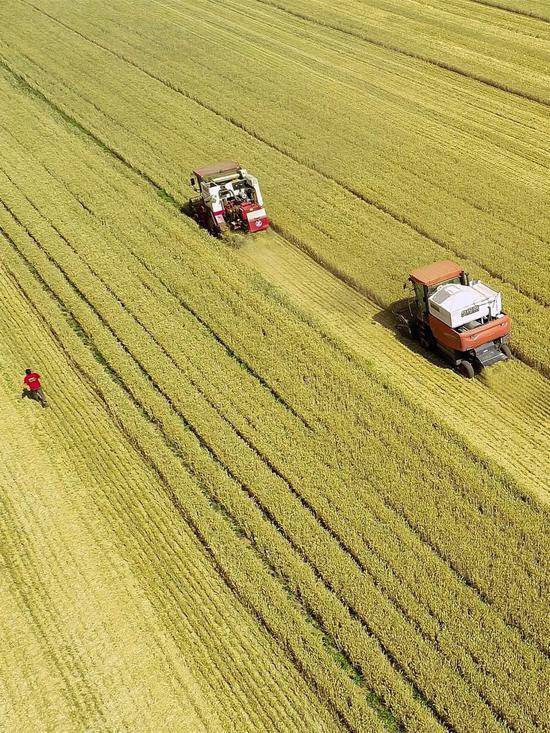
x=250 y=505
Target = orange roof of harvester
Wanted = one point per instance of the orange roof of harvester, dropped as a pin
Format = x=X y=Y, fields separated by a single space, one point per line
x=436 y=272
x=223 y=166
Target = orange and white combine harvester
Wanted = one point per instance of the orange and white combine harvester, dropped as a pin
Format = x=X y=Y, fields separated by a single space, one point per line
x=229 y=199
x=461 y=318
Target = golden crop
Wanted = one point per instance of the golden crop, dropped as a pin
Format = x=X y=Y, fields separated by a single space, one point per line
x=380 y=522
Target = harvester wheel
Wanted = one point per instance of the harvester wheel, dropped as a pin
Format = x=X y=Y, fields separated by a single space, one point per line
x=427 y=340
x=466 y=369
x=506 y=351
x=413 y=329
x=403 y=326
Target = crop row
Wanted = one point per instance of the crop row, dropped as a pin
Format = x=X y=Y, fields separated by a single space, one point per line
x=503 y=415
x=537 y=9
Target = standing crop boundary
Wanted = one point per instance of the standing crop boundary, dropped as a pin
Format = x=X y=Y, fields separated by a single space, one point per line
x=73 y=123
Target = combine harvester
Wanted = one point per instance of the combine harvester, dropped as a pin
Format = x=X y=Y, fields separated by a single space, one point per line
x=229 y=199
x=459 y=317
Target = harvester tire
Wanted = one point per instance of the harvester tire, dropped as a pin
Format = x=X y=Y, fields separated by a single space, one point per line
x=466 y=369
x=506 y=351
x=427 y=341
x=413 y=330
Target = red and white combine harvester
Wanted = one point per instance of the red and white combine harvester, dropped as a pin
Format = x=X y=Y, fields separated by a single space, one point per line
x=229 y=199
x=461 y=318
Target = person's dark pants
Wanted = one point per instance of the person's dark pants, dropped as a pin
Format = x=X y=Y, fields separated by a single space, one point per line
x=36 y=394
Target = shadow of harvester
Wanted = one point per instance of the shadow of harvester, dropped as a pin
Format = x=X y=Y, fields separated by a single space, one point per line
x=395 y=319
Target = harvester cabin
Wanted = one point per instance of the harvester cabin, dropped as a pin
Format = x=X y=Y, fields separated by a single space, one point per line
x=425 y=279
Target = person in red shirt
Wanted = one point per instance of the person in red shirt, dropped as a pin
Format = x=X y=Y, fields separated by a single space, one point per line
x=33 y=388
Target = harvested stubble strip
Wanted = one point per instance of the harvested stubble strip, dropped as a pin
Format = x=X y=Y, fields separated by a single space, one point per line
x=105 y=208
x=241 y=568
x=530 y=318
x=537 y=9
x=510 y=509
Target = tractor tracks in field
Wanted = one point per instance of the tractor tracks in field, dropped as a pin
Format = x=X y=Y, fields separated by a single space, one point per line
x=218 y=504
x=161 y=192
x=253 y=499
x=232 y=426
x=212 y=451
x=372 y=301
x=70 y=667
x=382 y=208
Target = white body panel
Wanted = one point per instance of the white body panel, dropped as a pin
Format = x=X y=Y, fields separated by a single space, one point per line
x=242 y=184
x=457 y=305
